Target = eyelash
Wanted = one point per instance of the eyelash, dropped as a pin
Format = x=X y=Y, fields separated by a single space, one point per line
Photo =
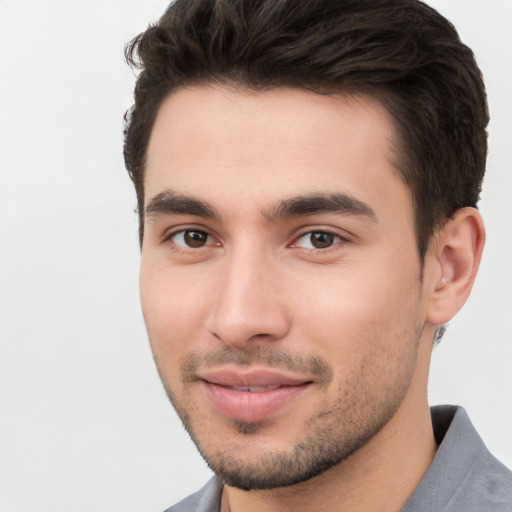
x=184 y=246
x=337 y=239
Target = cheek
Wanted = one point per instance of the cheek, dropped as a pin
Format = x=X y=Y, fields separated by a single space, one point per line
x=172 y=307
x=351 y=314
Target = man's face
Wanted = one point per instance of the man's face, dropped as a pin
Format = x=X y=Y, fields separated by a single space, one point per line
x=280 y=279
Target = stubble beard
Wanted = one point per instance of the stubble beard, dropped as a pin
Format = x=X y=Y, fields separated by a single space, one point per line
x=328 y=438
x=323 y=446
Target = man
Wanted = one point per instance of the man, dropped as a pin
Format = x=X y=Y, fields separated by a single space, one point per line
x=307 y=174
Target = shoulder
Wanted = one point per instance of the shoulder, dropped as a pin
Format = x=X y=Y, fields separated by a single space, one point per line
x=482 y=481
x=488 y=485
x=207 y=499
x=464 y=475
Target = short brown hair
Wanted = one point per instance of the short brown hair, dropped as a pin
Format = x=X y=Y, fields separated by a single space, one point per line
x=401 y=51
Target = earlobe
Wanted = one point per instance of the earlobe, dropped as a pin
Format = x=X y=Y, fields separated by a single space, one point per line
x=456 y=254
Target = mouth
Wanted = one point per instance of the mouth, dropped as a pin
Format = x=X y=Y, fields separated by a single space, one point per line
x=254 y=389
x=254 y=395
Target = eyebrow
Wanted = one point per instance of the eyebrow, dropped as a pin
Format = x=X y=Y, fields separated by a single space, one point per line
x=312 y=204
x=170 y=202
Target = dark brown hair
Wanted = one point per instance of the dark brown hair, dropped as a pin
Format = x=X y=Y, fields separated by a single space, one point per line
x=401 y=51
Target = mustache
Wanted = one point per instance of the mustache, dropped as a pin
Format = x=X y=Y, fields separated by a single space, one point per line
x=271 y=357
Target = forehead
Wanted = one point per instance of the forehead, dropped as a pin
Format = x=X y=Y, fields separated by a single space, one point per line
x=252 y=146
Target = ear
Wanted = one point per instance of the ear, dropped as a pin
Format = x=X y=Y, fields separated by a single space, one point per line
x=454 y=257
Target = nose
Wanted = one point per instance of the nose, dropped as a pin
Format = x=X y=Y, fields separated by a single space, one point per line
x=250 y=306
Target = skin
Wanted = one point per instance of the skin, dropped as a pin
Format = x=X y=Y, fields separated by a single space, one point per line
x=232 y=278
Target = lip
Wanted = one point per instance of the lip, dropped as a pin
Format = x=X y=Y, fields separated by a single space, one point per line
x=252 y=395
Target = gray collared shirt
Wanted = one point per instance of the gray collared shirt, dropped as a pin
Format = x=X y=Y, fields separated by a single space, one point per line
x=463 y=477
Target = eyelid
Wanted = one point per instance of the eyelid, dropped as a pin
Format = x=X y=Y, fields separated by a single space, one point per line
x=168 y=236
x=169 y=231
x=340 y=238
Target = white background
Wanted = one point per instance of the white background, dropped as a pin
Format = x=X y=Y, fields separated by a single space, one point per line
x=84 y=423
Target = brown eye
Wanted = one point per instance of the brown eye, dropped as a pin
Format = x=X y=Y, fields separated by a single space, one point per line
x=321 y=240
x=317 y=240
x=195 y=238
x=191 y=239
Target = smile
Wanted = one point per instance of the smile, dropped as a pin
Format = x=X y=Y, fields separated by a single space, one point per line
x=254 y=389
x=252 y=396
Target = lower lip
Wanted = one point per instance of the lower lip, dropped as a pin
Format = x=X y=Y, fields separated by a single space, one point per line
x=248 y=406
